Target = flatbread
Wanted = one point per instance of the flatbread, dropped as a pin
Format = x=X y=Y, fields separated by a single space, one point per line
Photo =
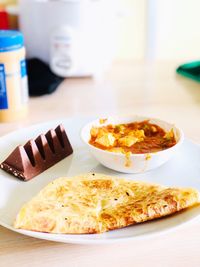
x=96 y=203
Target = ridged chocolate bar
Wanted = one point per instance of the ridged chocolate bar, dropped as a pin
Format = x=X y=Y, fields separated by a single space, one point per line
x=27 y=161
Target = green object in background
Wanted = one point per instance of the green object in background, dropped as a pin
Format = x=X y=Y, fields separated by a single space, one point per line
x=190 y=70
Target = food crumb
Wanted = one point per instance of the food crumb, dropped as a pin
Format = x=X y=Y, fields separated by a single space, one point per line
x=148 y=157
x=128 y=159
x=102 y=121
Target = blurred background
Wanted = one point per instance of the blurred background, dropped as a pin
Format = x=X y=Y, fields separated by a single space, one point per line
x=84 y=38
x=145 y=29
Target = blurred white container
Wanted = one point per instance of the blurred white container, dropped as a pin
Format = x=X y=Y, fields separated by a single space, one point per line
x=88 y=25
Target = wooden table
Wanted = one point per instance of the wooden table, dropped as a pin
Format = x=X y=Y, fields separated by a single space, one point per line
x=128 y=88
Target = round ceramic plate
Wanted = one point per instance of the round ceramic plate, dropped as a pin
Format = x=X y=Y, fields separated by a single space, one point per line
x=182 y=170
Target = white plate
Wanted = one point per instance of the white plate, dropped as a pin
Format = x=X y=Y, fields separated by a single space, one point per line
x=182 y=170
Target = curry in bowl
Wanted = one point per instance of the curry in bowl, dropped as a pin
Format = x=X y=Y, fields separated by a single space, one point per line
x=133 y=144
x=136 y=137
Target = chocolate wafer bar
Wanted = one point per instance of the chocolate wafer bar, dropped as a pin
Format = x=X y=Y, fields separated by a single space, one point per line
x=25 y=162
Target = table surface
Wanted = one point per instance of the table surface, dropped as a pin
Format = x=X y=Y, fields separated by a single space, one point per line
x=151 y=89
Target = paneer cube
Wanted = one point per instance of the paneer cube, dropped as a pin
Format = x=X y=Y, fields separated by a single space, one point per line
x=128 y=140
x=120 y=128
x=106 y=140
x=138 y=134
x=94 y=131
x=169 y=135
x=153 y=128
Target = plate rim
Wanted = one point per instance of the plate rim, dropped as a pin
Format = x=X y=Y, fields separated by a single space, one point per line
x=80 y=241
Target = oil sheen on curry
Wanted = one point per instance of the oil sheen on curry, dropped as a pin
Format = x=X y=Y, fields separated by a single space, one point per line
x=135 y=137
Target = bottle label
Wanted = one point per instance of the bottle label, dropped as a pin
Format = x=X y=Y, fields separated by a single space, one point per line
x=23 y=68
x=3 y=91
x=24 y=82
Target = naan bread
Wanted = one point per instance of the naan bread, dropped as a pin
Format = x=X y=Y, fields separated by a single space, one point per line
x=96 y=203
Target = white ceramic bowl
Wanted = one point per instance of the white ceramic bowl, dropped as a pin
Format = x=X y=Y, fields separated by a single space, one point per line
x=138 y=163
